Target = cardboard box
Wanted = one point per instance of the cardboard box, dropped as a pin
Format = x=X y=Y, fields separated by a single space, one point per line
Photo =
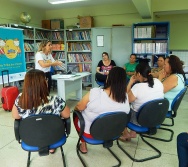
x=57 y=24
x=46 y=24
x=86 y=22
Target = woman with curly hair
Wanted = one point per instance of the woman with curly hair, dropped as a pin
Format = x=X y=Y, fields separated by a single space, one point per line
x=172 y=78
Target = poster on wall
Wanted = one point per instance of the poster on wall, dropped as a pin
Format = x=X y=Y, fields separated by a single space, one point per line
x=12 y=56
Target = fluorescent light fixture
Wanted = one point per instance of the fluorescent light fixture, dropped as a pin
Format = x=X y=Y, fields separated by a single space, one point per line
x=62 y=1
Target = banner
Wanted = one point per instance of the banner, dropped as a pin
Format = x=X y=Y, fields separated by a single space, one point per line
x=12 y=55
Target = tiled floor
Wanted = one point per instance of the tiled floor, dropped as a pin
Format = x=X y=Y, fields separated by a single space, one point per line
x=12 y=155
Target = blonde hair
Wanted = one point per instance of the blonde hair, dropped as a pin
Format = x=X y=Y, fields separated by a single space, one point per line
x=43 y=45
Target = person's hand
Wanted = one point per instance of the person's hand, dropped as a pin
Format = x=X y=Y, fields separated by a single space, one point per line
x=58 y=63
x=162 y=74
x=132 y=80
x=106 y=73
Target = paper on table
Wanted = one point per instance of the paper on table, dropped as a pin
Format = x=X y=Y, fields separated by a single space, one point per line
x=65 y=76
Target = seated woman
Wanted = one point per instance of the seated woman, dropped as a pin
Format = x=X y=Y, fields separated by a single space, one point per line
x=147 y=89
x=111 y=98
x=35 y=99
x=173 y=77
x=103 y=67
x=130 y=67
x=156 y=71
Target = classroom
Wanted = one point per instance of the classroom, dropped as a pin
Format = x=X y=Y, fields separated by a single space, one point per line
x=81 y=33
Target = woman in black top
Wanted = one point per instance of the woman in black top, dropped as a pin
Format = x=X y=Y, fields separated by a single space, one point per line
x=103 y=67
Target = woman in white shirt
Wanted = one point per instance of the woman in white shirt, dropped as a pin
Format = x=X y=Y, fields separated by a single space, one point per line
x=147 y=89
x=111 y=98
x=44 y=60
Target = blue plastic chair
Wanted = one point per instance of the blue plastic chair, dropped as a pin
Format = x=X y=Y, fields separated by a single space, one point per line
x=150 y=116
x=40 y=133
x=174 y=106
x=105 y=129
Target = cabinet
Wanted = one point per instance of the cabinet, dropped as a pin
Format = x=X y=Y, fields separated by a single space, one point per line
x=151 y=39
x=117 y=43
x=79 y=51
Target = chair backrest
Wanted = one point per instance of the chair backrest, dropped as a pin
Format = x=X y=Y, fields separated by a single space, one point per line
x=153 y=113
x=177 y=101
x=109 y=126
x=41 y=130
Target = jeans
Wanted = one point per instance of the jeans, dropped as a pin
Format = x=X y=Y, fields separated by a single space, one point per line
x=182 y=149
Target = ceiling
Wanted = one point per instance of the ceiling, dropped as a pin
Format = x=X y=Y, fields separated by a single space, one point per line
x=43 y=4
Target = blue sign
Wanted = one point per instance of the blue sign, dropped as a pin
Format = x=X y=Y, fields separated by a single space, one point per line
x=12 y=55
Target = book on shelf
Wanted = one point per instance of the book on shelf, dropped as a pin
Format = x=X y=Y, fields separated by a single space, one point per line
x=78 y=57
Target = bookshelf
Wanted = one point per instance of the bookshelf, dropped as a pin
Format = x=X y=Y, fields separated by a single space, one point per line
x=79 y=51
x=58 y=45
x=151 y=40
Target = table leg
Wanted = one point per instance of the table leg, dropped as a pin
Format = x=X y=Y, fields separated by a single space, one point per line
x=61 y=88
x=79 y=91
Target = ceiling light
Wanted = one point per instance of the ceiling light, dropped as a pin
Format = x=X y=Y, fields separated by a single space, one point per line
x=62 y=1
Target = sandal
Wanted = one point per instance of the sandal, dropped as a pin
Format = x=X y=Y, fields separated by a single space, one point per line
x=81 y=150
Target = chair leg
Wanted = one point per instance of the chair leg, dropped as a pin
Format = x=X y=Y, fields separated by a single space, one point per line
x=63 y=156
x=84 y=164
x=172 y=124
x=78 y=153
x=115 y=156
x=28 y=159
x=144 y=159
x=160 y=139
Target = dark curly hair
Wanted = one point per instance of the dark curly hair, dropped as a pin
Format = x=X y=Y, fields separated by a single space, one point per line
x=176 y=65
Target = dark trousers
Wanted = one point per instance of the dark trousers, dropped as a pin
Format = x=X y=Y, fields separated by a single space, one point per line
x=49 y=77
x=182 y=149
x=100 y=77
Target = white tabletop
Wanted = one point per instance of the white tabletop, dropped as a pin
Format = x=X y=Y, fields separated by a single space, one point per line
x=70 y=77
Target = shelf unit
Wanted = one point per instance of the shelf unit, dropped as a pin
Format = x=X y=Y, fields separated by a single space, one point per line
x=151 y=39
x=58 y=45
x=79 y=51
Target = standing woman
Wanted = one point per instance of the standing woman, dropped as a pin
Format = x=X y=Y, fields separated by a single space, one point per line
x=44 y=60
x=103 y=67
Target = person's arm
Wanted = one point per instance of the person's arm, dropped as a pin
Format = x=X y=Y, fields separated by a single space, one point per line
x=82 y=104
x=170 y=83
x=49 y=64
x=129 y=91
x=15 y=114
x=131 y=82
x=66 y=112
x=113 y=63
x=131 y=97
x=98 y=67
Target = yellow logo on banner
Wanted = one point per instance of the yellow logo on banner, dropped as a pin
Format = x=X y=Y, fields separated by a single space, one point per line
x=10 y=48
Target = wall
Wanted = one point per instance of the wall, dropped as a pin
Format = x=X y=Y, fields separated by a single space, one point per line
x=104 y=15
x=10 y=13
x=178 y=30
